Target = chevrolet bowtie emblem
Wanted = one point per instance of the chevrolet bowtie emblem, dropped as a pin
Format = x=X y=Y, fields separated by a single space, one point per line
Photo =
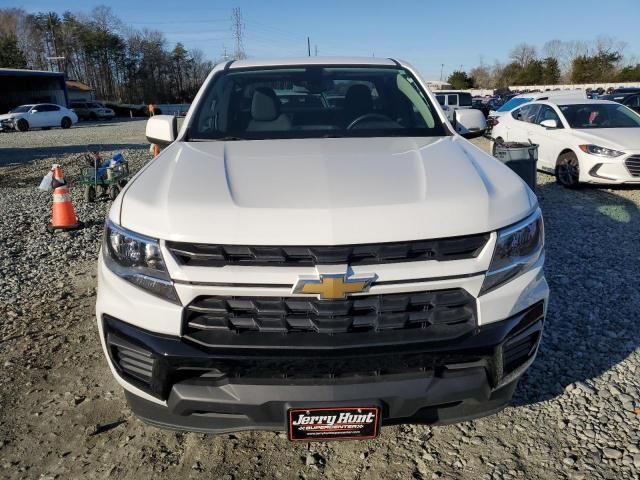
x=332 y=286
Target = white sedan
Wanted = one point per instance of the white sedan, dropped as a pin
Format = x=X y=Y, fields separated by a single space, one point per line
x=41 y=115
x=580 y=141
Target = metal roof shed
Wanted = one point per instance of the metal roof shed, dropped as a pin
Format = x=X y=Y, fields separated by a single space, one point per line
x=21 y=87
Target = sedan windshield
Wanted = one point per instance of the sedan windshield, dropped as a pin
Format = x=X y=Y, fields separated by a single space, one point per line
x=313 y=102
x=22 y=109
x=600 y=115
x=513 y=103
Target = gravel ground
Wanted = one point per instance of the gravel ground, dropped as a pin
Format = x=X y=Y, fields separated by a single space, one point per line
x=575 y=415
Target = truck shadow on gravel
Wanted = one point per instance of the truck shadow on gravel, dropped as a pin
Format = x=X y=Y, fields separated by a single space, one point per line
x=12 y=156
x=592 y=266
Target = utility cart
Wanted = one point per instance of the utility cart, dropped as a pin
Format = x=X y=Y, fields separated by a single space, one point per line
x=102 y=178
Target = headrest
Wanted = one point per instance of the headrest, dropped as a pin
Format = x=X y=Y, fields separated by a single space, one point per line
x=358 y=98
x=265 y=106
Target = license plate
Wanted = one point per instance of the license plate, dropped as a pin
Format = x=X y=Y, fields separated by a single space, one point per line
x=340 y=423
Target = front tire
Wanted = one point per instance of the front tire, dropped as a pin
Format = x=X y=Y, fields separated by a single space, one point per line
x=568 y=170
x=66 y=123
x=22 y=125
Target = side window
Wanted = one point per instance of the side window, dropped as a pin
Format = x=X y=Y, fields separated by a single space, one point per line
x=633 y=102
x=54 y=108
x=517 y=114
x=548 y=113
x=529 y=113
x=440 y=99
x=522 y=113
x=453 y=99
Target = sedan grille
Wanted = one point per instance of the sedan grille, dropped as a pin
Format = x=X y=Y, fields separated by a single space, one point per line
x=205 y=255
x=633 y=165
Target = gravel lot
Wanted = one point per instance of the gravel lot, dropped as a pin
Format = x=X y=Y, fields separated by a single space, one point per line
x=575 y=415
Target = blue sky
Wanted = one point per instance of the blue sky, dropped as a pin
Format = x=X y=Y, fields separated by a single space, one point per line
x=425 y=33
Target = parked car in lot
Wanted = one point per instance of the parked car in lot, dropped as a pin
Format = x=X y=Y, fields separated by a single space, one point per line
x=580 y=141
x=458 y=107
x=516 y=101
x=631 y=100
x=41 y=115
x=92 y=111
x=320 y=267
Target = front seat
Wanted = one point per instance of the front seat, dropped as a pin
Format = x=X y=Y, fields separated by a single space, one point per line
x=265 y=112
x=357 y=102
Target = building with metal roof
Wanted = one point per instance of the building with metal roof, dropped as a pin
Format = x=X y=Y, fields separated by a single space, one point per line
x=21 y=87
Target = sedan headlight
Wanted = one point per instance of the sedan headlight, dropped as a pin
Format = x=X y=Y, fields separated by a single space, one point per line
x=137 y=259
x=600 y=151
x=517 y=248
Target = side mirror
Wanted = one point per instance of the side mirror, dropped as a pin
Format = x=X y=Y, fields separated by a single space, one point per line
x=162 y=129
x=454 y=120
x=550 y=123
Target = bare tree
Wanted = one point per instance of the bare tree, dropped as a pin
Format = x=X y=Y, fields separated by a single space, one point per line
x=523 y=54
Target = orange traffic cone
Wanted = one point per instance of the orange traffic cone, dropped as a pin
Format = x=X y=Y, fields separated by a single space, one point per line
x=63 y=217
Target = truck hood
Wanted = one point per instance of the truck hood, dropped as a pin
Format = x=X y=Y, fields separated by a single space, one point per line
x=322 y=192
x=618 y=138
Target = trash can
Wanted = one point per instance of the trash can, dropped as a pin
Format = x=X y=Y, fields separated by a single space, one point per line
x=521 y=158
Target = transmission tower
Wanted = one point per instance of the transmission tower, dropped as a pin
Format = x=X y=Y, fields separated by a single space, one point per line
x=238 y=33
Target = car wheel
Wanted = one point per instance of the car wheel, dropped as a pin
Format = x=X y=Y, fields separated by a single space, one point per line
x=65 y=123
x=568 y=170
x=114 y=190
x=22 y=125
x=89 y=194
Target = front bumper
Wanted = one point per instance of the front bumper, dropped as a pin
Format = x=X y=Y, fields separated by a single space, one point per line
x=603 y=170
x=210 y=390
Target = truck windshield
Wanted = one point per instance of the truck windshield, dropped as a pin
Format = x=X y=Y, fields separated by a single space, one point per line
x=314 y=102
x=600 y=115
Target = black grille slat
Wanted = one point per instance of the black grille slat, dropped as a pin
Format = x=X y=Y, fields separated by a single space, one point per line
x=131 y=359
x=196 y=254
x=438 y=310
x=633 y=165
x=516 y=352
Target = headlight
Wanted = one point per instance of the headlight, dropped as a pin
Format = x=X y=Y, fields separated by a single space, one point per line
x=517 y=248
x=137 y=259
x=600 y=151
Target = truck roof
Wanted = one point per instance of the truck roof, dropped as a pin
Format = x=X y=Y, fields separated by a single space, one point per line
x=296 y=61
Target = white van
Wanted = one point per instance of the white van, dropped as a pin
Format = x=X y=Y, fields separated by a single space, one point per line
x=457 y=104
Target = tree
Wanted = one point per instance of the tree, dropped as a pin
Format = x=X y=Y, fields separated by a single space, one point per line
x=460 y=81
x=10 y=54
x=630 y=73
x=594 y=68
x=481 y=76
x=550 y=71
x=523 y=54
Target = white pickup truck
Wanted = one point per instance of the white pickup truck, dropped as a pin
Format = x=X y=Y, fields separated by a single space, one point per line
x=318 y=251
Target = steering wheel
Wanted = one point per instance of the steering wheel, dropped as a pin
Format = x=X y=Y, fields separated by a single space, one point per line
x=368 y=116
